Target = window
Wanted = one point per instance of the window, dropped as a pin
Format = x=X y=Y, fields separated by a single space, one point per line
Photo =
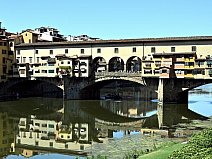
x=62 y=62
x=82 y=147
x=36 y=143
x=98 y=50
x=11 y=44
x=147 y=71
x=51 y=52
x=36 y=51
x=51 y=144
x=4 y=70
x=4 y=52
x=37 y=71
x=37 y=124
x=37 y=59
x=193 y=48
x=22 y=71
x=68 y=62
x=172 y=49
x=44 y=71
x=24 y=59
x=30 y=59
x=51 y=126
x=116 y=50
x=30 y=135
x=153 y=50
x=38 y=135
x=51 y=71
x=44 y=125
x=134 y=49
x=157 y=63
x=82 y=51
x=66 y=146
x=18 y=52
x=3 y=60
x=66 y=51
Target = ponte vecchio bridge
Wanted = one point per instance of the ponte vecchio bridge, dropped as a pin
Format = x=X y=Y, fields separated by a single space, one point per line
x=170 y=66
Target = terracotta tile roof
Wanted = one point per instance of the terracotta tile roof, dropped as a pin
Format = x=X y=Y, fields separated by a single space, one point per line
x=142 y=40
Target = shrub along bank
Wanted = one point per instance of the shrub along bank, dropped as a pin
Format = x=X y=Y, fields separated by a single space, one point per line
x=198 y=147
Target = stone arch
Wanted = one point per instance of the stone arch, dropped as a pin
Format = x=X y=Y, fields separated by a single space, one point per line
x=99 y=64
x=116 y=64
x=133 y=64
x=33 y=88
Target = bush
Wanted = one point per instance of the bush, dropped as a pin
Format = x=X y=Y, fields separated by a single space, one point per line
x=199 y=147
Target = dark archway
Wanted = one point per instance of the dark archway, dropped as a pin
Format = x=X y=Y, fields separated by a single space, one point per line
x=116 y=64
x=133 y=64
x=35 y=88
x=99 y=64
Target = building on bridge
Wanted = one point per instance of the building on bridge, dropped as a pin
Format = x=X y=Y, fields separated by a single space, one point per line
x=172 y=57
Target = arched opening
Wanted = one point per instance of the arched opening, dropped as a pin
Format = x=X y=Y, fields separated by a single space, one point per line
x=99 y=64
x=133 y=64
x=35 y=88
x=116 y=64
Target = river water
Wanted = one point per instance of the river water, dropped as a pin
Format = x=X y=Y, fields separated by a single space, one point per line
x=53 y=128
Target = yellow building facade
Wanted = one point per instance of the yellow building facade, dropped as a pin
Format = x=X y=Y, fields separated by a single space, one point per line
x=7 y=134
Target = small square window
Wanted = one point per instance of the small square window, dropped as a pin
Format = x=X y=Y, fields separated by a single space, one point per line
x=51 y=52
x=134 y=49
x=51 y=144
x=98 y=50
x=66 y=51
x=18 y=52
x=172 y=49
x=153 y=50
x=193 y=48
x=82 y=51
x=36 y=51
x=66 y=146
x=116 y=50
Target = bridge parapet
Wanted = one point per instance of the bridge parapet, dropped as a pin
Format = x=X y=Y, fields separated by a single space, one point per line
x=130 y=76
x=117 y=74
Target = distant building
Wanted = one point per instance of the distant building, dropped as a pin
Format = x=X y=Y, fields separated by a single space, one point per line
x=81 y=38
x=49 y=34
x=29 y=36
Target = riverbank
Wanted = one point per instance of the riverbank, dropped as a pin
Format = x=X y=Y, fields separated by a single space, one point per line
x=140 y=144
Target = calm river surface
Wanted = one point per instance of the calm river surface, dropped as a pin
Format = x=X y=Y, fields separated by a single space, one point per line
x=53 y=128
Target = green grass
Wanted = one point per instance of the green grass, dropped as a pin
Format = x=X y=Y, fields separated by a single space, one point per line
x=163 y=152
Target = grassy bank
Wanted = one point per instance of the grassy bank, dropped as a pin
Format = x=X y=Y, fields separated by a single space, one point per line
x=163 y=152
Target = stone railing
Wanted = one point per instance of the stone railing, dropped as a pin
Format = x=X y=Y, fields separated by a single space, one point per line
x=117 y=74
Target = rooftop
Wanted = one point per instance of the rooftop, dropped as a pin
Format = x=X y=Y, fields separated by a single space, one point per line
x=141 y=40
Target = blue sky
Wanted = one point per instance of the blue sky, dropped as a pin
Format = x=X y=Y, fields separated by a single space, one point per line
x=111 y=19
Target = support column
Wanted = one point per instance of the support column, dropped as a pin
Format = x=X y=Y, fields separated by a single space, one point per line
x=170 y=91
